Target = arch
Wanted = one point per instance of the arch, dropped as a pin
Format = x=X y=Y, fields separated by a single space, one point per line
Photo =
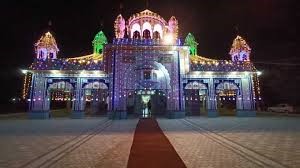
x=136 y=35
x=195 y=85
x=96 y=85
x=162 y=74
x=146 y=34
x=147 y=26
x=135 y=27
x=156 y=35
x=135 y=85
x=227 y=86
x=95 y=96
x=61 y=85
x=60 y=96
x=227 y=97
x=158 y=28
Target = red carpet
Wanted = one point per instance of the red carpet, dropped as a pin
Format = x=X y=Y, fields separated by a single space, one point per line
x=151 y=148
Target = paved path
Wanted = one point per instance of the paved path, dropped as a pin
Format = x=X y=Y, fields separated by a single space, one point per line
x=65 y=143
x=236 y=142
x=110 y=148
x=199 y=141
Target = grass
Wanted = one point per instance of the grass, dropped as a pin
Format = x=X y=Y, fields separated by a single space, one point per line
x=60 y=113
x=14 y=116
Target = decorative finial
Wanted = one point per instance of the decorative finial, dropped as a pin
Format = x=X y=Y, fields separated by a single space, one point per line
x=121 y=6
x=147 y=4
x=49 y=23
x=101 y=24
x=237 y=29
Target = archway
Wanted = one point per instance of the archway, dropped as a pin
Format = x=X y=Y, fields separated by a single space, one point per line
x=147 y=88
x=95 y=95
x=195 y=98
x=146 y=34
x=227 y=95
x=60 y=96
x=156 y=35
x=158 y=29
x=147 y=29
x=136 y=35
x=135 y=29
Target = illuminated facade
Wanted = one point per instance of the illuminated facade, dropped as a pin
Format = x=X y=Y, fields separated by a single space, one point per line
x=146 y=70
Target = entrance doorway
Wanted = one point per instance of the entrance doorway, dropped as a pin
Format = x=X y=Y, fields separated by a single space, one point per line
x=146 y=112
x=149 y=103
x=60 y=96
x=195 y=98
x=226 y=93
x=96 y=94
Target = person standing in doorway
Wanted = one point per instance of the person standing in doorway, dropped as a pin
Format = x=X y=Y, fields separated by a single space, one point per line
x=149 y=107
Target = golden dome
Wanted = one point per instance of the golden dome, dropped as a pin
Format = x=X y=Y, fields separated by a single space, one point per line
x=147 y=14
x=47 y=41
x=239 y=44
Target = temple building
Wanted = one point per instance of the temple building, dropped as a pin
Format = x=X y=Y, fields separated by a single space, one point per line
x=147 y=70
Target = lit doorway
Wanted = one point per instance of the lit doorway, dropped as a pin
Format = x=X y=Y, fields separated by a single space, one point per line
x=146 y=111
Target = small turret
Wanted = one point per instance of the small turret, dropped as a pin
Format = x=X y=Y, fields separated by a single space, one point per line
x=173 y=26
x=46 y=47
x=240 y=50
x=119 y=27
x=191 y=42
x=98 y=43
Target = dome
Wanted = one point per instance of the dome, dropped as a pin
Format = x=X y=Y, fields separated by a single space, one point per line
x=47 y=41
x=146 y=25
x=239 y=44
x=146 y=14
x=240 y=50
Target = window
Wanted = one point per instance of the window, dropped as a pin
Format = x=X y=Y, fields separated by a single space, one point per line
x=136 y=35
x=147 y=74
x=146 y=34
x=41 y=54
x=236 y=58
x=51 y=55
x=156 y=35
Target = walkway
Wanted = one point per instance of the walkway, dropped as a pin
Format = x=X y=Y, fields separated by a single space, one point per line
x=198 y=142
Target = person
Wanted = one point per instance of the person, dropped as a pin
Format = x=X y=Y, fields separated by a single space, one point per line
x=149 y=107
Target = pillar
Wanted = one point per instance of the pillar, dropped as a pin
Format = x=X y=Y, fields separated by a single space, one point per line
x=78 y=100
x=211 y=100
x=245 y=103
x=39 y=100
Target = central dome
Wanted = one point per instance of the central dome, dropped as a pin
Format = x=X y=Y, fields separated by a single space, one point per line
x=147 y=15
x=146 y=25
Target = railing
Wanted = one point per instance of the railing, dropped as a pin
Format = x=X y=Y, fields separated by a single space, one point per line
x=131 y=41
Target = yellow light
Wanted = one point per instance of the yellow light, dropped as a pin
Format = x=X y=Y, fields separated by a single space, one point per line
x=24 y=71
x=259 y=73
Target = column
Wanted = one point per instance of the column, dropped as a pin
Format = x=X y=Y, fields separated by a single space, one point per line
x=39 y=102
x=211 y=99
x=78 y=100
x=246 y=107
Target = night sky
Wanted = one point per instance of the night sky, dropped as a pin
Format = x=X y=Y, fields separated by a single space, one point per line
x=269 y=26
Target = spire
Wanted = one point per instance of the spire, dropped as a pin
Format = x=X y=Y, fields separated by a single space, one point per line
x=147 y=4
x=121 y=7
x=119 y=26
